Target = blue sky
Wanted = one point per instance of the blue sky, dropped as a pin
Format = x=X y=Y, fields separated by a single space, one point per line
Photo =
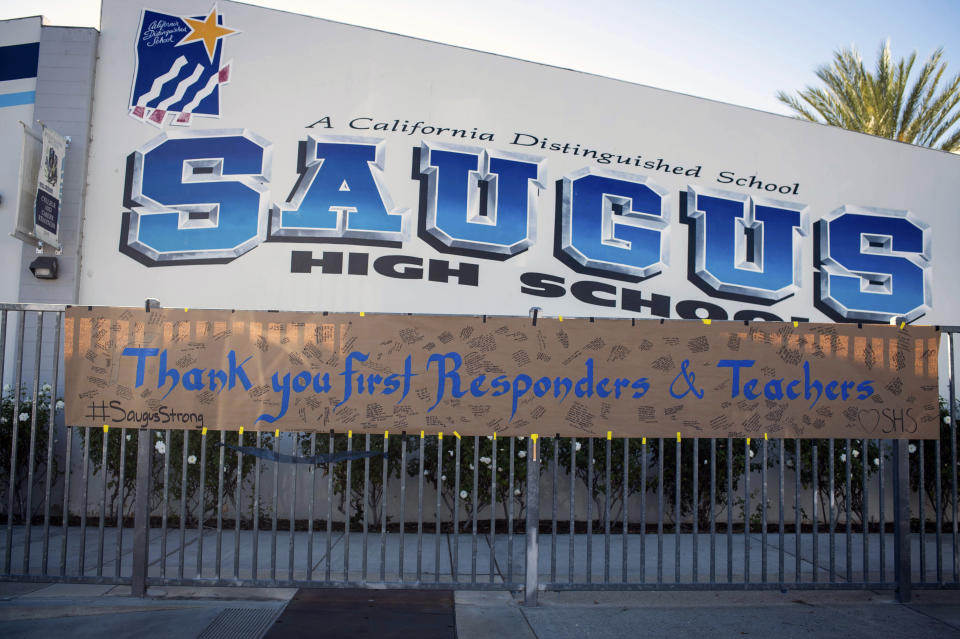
x=736 y=51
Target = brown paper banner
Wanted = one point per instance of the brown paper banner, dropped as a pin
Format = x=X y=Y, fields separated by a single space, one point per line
x=174 y=368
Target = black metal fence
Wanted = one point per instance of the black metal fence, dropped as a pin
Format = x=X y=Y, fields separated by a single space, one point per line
x=149 y=507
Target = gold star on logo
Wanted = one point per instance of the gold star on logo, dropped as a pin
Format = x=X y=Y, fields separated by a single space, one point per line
x=206 y=30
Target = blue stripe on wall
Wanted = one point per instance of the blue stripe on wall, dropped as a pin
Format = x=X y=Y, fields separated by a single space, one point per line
x=14 y=99
x=19 y=61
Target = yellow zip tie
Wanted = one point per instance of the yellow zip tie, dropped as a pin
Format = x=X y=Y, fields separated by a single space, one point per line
x=678 y=436
x=707 y=321
x=533 y=440
x=105 y=428
x=203 y=431
x=276 y=433
x=361 y=313
x=386 y=434
x=456 y=434
x=185 y=309
x=494 y=435
x=748 y=441
x=609 y=434
x=440 y=435
x=241 y=430
x=796 y=324
x=644 y=441
x=560 y=317
x=765 y=437
x=534 y=436
x=349 y=433
x=902 y=325
x=421 y=434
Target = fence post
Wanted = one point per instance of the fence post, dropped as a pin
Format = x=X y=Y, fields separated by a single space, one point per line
x=141 y=516
x=533 y=521
x=901 y=521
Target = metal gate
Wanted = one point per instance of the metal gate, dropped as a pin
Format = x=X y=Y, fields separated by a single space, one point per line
x=151 y=507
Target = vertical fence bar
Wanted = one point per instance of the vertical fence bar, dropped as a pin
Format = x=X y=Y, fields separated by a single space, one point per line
x=202 y=500
x=938 y=534
x=121 y=490
x=328 y=561
x=661 y=456
x=676 y=512
x=865 y=518
x=747 y=455
x=237 y=494
x=848 y=475
x=883 y=515
x=103 y=500
x=82 y=557
x=511 y=496
x=420 y=515
x=436 y=509
x=533 y=523
x=384 y=463
x=695 y=510
x=312 y=471
x=953 y=456
x=901 y=519
x=781 y=575
x=14 y=436
x=475 y=497
x=28 y=508
x=51 y=422
x=815 y=463
x=555 y=506
x=643 y=510
x=606 y=514
x=713 y=510
x=65 y=524
x=763 y=512
x=366 y=508
x=255 y=554
x=590 y=463
x=166 y=496
x=570 y=532
x=624 y=554
x=219 y=551
x=833 y=510
x=294 y=477
x=274 y=515
x=493 y=506
x=455 y=562
x=798 y=522
x=141 y=516
x=403 y=502
x=729 y=510
x=347 y=515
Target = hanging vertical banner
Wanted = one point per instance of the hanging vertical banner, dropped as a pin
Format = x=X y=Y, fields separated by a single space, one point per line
x=46 y=217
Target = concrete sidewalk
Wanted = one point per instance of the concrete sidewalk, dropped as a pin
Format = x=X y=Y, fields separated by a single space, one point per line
x=81 y=611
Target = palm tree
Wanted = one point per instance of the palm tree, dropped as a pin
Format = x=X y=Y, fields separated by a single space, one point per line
x=884 y=103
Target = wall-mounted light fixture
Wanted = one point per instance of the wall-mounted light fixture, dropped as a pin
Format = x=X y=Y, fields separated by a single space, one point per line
x=44 y=268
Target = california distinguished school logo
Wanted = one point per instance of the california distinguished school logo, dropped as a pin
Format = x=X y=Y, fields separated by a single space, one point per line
x=179 y=71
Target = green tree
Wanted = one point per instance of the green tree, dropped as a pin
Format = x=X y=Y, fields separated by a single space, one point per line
x=890 y=102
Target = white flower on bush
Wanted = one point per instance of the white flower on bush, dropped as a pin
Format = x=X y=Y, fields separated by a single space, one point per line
x=450 y=452
x=128 y=436
x=6 y=388
x=463 y=494
x=499 y=469
x=578 y=446
x=520 y=437
x=3 y=420
x=161 y=447
x=751 y=452
x=522 y=454
x=159 y=436
x=912 y=448
x=24 y=417
x=490 y=437
x=485 y=460
x=426 y=472
x=946 y=420
x=855 y=453
x=516 y=492
x=704 y=462
x=192 y=459
x=443 y=478
x=45 y=388
x=843 y=457
x=876 y=461
x=471 y=466
x=59 y=404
